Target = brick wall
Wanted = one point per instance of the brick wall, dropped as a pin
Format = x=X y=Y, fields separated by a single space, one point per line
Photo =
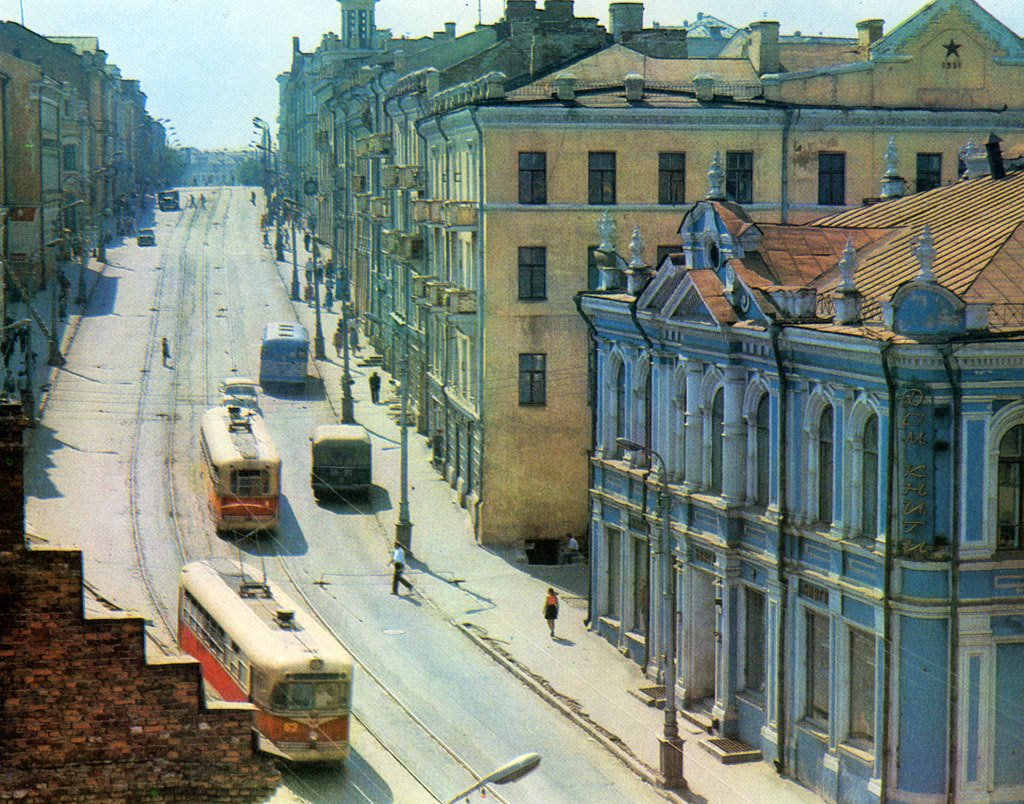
x=83 y=718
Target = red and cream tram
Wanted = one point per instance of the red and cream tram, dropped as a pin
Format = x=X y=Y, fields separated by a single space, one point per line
x=243 y=470
x=256 y=645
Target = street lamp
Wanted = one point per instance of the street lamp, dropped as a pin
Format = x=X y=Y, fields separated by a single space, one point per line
x=295 y=260
x=671 y=753
x=510 y=772
x=403 y=527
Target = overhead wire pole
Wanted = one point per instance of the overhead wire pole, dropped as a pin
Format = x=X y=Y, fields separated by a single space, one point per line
x=403 y=527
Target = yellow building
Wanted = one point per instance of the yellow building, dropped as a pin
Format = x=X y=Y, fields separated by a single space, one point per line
x=519 y=178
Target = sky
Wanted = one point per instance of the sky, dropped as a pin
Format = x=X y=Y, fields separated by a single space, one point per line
x=210 y=65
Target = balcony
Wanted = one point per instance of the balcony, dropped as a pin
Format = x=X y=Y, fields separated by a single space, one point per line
x=379 y=208
x=427 y=210
x=460 y=214
x=389 y=175
x=436 y=293
x=461 y=301
x=375 y=145
x=410 y=177
x=402 y=245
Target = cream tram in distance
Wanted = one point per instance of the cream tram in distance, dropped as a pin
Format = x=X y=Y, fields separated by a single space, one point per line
x=242 y=468
x=255 y=645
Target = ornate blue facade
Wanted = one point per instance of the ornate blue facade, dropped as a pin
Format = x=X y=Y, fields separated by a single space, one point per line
x=838 y=411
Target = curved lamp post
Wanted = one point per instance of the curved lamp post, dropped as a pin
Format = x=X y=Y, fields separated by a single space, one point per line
x=510 y=772
x=671 y=753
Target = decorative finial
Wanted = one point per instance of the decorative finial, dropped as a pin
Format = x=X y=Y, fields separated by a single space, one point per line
x=636 y=249
x=848 y=266
x=892 y=159
x=606 y=228
x=925 y=253
x=893 y=184
x=716 y=179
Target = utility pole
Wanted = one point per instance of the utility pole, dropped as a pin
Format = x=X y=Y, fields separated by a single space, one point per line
x=403 y=527
x=319 y=348
x=296 y=296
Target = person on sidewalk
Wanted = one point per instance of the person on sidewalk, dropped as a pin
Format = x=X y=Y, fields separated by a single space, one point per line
x=353 y=339
x=339 y=339
x=551 y=610
x=375 y=388
x=165 y=349
x=398 y=559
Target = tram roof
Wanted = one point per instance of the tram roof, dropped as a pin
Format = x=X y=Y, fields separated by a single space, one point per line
x=253 y=623
x=251 y=441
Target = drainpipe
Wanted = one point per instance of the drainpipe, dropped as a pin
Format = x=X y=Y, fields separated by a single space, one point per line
x=775 y=331
x=890 y=523
x=592 y=394
x=480 y=299
x=648 y=416
x=788 y=116
x=953 y=375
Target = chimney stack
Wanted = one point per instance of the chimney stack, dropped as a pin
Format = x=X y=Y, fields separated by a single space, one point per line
x=558 y=10
x=869 y=32
x=449 y=28
x=12 y=477
x=634 y=85
x=995 y=157
x=565 y=87
x=626 y=19
x=519 y=10
x=764 y=47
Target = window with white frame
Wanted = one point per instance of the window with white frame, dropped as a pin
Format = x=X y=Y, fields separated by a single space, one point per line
x=826 y=456
x=762 y=447
x=641 y=585
x=869 y=478
x=753 y=640
x=717 y=426
x=1009 y=507
x=613 y=600
x=817 y=655
x=862 y=686
x=619 y=390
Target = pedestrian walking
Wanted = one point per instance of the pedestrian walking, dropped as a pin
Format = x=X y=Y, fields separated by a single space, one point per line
x=551 y=610
x=252 y=197
x=165 y=349
x=398 y=559
x=353 y=339
x=572 y=549
x=339 y=339
x=375 y=388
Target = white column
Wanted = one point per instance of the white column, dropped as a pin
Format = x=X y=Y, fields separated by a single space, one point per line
x=734 y=453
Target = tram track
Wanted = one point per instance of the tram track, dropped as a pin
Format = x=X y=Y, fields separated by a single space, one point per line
x=195 y=278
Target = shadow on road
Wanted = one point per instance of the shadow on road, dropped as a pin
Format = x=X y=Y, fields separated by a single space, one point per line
x=312 y=391
x=38 y=464
x=287 y=541
x=102 y=294
x=330 y=783
x=377 y=499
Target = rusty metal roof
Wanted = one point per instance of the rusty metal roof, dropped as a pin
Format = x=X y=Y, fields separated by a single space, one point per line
x=976 y=226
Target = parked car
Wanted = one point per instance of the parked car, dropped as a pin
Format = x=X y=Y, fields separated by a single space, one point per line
x=241 y=392
x=146 y=237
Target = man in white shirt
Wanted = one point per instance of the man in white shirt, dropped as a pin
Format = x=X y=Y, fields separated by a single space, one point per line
x=398 y=559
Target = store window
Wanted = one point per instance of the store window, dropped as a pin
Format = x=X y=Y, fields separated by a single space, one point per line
x=862 y=686
x=753 y=640
x=817 y=657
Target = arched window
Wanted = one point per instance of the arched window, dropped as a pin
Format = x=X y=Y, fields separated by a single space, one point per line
x=762 y=444
x=869 y=479
x=825 y=455
x=1011 y=472
x=620 y=401
x=717 y=425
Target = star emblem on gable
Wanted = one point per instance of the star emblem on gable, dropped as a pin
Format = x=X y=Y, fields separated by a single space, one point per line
x=952 y=49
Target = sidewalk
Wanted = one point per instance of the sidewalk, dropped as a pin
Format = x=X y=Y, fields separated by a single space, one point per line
x=495 y=600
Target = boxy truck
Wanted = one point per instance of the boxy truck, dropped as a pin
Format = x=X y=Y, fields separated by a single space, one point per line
x=342 y=461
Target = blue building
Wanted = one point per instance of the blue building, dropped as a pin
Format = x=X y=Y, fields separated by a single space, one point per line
x=837 y=413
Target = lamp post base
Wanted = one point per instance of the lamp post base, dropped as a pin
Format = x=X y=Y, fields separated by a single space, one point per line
x=403 y=533
x=348 y=414
x=296 y=295
x=671 y=755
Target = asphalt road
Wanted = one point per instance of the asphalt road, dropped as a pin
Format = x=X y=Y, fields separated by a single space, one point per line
x=118 y=453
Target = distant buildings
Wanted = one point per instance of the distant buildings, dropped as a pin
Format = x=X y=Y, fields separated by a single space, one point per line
x=79 y=149
x=459 y=180
x=202 y=168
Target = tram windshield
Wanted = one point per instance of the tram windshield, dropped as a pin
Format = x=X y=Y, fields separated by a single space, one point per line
x=308 y=695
